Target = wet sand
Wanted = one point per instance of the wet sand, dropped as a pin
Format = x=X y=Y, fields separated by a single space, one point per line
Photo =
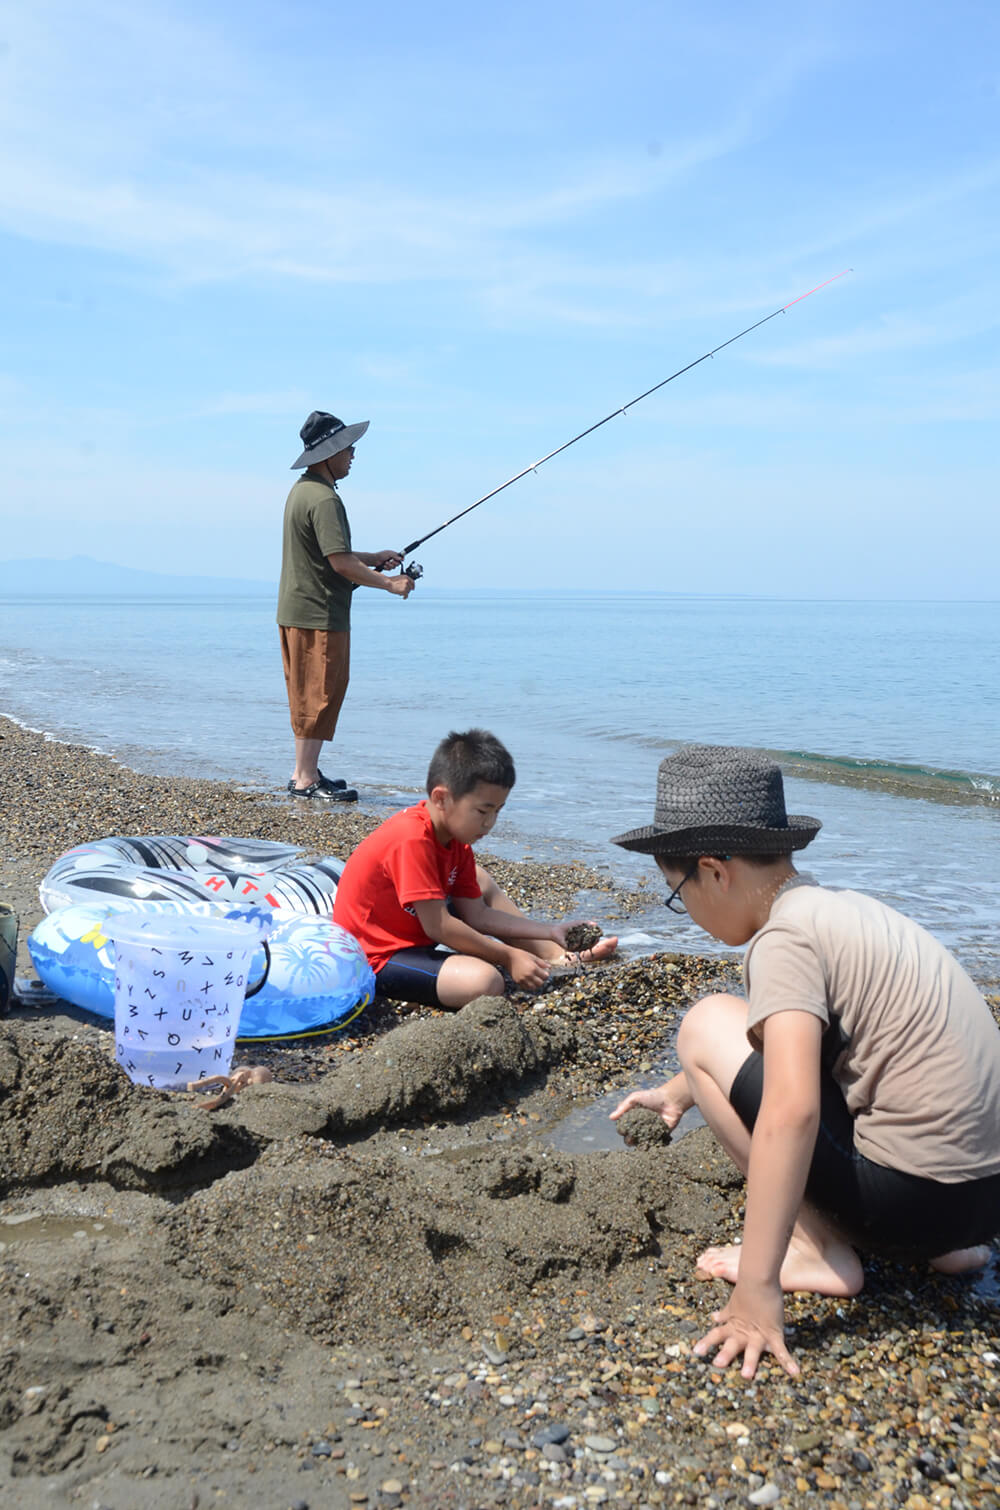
x=376 y=1282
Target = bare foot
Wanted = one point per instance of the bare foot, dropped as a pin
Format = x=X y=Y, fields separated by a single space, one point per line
x=962 y=1260
x=834 y=1271
x=602 y=950
x=229 y=1085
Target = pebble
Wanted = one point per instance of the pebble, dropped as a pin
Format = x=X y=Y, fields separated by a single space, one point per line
x=552 y=1434
x=767 y=1494
x=598 y=1444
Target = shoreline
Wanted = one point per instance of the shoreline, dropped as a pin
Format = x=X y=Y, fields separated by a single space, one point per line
x=87 y=794
x=375 y=1282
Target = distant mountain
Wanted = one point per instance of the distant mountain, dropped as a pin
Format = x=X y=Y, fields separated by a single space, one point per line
x=81 y=575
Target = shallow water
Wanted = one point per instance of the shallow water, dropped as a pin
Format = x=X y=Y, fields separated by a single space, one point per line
x=882 y=714
x=589 y=1129
x=29 y=1229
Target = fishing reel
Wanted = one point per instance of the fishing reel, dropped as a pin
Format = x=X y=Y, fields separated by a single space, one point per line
x=414 y=571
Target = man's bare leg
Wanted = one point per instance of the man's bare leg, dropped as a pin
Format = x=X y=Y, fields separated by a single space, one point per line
x=545 y=949
x=307 y=753
x=712 y=1046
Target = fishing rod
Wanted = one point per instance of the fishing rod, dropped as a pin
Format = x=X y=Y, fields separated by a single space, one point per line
x=415 y=571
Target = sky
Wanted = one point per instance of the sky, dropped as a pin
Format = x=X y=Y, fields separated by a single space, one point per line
x=483 y=229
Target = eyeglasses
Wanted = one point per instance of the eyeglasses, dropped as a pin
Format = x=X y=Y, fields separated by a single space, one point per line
x=675 y=902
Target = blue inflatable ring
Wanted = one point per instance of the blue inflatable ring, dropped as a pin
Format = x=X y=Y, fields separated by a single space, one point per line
x=319 y=978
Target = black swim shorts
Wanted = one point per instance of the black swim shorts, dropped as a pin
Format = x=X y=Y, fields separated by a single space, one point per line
x=411 y=975
x=877 y=1209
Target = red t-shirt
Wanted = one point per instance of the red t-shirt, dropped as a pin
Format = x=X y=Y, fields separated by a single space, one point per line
x=402 y=862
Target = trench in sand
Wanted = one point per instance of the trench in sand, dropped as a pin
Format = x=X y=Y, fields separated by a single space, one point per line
x=482 y=1087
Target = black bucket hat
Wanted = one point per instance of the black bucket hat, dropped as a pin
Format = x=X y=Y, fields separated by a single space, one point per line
x=323 y=435
x=719 y=799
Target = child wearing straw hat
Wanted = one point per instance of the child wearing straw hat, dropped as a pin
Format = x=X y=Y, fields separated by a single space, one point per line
x=857 y=1086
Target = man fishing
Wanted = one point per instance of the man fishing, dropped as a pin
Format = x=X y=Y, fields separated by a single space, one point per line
x=319 y=571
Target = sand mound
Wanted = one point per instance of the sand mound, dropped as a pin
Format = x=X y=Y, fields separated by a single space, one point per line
x=328 y=1237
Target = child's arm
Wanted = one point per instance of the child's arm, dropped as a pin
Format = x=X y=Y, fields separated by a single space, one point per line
x=781 y=1151
x=444 y=928
x=507 y=925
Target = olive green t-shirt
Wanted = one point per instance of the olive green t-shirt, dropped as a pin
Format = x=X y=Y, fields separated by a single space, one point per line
x=311 y=595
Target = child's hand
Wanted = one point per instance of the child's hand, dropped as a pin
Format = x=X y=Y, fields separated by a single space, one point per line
x=752 y=1324
x=560 y=930
x=596 y=947
x=528 y=970
x=671 y=1100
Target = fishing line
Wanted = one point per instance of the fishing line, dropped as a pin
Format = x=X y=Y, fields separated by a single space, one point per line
x=416 y=571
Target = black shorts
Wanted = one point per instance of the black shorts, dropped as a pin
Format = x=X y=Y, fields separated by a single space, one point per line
x=878 y=1209
x=411 y=975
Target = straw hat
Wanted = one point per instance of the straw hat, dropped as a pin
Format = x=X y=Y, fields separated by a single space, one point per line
x=719 y=799
x=323 y=435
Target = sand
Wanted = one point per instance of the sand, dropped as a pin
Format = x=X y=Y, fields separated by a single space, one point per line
x=376 y=1281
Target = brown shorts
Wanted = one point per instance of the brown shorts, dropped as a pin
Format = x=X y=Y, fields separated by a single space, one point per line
x=317 y=666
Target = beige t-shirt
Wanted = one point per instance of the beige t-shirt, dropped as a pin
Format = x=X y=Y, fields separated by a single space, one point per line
x=918 y=1053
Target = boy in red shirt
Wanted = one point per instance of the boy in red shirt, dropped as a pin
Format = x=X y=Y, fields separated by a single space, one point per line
x=413 y=896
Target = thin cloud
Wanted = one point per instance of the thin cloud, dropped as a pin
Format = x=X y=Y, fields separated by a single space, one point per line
x=946 y=324
x=95 y=158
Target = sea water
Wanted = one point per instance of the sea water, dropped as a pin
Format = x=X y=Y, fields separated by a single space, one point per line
x=883 y=716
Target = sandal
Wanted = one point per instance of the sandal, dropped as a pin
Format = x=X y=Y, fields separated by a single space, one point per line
x=337 y=785
x=319 y=793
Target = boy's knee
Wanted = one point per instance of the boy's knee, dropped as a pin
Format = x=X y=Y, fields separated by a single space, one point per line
x=462 y=978
x=711 y=1018
x=493 y=984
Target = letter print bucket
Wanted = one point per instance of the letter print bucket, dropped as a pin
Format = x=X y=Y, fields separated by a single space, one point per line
x=180 y=983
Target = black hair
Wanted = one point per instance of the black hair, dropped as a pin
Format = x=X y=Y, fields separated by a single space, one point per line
x=690 y=862
x=462 y=761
